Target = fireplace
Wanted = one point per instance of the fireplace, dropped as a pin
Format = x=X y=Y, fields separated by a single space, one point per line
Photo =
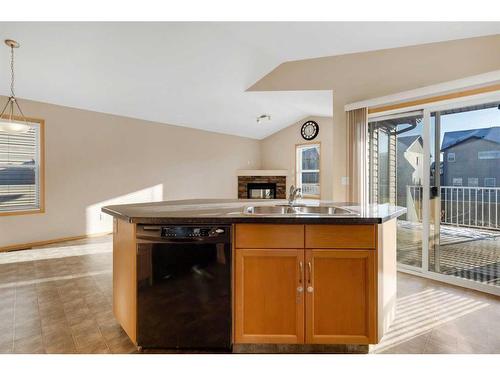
x=261 y=190
x=261 y=187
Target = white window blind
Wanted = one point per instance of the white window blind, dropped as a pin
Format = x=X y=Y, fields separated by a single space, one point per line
x=20 y=170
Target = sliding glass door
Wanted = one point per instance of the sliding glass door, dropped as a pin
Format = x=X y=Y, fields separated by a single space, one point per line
x=443 y=165
x=466 y=243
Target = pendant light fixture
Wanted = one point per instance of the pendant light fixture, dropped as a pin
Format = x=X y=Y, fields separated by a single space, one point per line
x=8 y=122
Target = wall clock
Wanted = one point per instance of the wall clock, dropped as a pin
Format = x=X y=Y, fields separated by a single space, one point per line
x=309 y=130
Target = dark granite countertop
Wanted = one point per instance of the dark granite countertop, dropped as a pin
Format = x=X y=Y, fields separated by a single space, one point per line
x=228 y=211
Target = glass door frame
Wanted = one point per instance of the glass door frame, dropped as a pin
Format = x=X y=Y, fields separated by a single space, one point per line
x=428 y=109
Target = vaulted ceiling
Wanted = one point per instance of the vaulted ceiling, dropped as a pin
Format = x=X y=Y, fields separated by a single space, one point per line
x=195 y=74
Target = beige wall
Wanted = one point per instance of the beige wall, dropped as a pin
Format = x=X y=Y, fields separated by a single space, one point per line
x=94 y=159
x=360 y=76
x=278 y=151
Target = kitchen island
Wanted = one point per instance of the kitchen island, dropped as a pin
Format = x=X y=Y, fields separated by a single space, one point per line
x=312 y=279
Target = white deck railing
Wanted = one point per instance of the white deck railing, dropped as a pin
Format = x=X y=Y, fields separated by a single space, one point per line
x=470 y=206
x=475 y=207
x=310 y=189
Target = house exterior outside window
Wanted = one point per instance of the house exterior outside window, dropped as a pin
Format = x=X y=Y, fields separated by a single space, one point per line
x=473 y=181
x=490 y=182
x=476 y=153
x=485 y=155
x=457 y=181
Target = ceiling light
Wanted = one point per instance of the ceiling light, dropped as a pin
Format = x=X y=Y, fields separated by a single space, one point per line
x=8 y=121
x=262 y=118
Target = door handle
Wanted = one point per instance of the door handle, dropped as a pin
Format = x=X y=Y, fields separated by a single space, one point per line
x=300 y=288
x=310 y=289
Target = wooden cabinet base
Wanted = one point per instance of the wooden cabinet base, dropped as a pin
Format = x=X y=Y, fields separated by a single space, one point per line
x=342 y=292
x=303 y=348
x=290 y=297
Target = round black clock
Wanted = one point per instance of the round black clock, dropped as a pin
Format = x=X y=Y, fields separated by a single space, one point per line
x=309 y=130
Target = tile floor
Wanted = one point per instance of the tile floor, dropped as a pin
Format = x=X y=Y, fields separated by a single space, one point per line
x=437 y=318
x=57 y=299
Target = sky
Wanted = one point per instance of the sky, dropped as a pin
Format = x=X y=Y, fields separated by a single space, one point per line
x=484 y=118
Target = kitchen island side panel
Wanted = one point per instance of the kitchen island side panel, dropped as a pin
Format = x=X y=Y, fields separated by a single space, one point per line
x=125 y=277
x=387 y=275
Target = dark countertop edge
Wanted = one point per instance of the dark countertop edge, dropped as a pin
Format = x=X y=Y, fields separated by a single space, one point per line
x=250 y=219
x=115 y=214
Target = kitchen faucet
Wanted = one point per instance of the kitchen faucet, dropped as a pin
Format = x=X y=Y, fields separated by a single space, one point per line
x=294 y=194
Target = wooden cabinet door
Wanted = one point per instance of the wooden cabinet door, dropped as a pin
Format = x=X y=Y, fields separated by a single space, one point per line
x=340 y=296
x=269 y=296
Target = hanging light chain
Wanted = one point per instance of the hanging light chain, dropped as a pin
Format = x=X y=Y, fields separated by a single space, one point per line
x=12 y=71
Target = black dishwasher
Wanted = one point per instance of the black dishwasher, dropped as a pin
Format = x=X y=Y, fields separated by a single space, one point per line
x=184 y=287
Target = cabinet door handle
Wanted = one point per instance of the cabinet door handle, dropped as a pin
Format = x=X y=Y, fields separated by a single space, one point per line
x=309 y=266
x=301 y=271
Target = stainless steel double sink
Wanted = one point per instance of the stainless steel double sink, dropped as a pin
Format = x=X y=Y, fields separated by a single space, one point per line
x=299 y=210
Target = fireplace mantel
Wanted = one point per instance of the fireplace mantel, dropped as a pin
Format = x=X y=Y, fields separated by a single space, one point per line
x=262 y=172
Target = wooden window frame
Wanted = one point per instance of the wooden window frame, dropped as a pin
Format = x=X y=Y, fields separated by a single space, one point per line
x=297 y=146
x=41 y=181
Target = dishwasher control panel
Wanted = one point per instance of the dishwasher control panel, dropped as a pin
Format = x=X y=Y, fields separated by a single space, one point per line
x=182 y=232
x=187 y=232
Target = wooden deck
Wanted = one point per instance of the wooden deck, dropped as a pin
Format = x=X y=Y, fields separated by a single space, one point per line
x=469 y=253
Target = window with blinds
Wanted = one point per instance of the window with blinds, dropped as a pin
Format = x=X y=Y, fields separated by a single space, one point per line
x=20 y=170
x=308 y=170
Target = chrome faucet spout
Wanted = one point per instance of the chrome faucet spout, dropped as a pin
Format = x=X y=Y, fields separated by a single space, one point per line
x=294 y=194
